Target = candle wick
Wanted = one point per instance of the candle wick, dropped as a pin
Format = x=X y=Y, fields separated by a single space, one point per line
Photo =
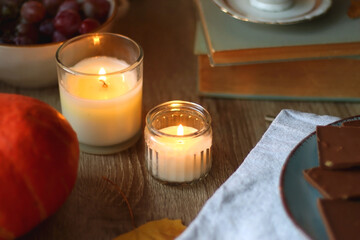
x=104 y=83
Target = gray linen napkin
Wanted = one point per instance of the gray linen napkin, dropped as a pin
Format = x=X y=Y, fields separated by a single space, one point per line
x=248 y=204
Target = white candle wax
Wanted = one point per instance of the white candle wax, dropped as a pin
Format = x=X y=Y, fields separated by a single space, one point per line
x=103 y=110
x=178 y=158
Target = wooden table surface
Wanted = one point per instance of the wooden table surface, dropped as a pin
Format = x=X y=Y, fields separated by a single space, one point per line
x=95 y=210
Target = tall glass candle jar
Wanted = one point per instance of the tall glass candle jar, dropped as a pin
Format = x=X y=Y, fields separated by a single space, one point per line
x=178 y=140
x=100 y=82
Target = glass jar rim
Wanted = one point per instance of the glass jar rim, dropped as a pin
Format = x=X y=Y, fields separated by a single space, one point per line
x=68 y=69
x=177 y=104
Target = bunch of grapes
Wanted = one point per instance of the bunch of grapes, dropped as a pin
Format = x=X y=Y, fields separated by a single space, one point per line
x=43 y=21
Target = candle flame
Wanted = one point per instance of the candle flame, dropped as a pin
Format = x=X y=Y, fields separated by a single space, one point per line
x=103 y=78
x=180 y=130
x=96 y=40
x=102 y=71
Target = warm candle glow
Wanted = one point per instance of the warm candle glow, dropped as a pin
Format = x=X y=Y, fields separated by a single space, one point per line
x=103 y=78
x=180 y=130
x=96 y=40
x=180 y=155
x=104 y=109
x=102 y=71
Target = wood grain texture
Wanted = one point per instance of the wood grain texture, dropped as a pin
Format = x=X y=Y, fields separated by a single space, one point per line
x=95 y=210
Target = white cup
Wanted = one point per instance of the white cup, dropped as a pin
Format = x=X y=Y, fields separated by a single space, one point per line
x=272 y=5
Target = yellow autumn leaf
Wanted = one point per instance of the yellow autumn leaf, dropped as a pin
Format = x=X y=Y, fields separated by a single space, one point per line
x=164 y=229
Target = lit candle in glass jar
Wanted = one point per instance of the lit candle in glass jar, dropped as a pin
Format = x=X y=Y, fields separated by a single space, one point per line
x=101 y=96
x=103 y=109
x=178 y=153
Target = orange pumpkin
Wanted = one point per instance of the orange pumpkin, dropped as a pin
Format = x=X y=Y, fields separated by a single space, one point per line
x=39 y=154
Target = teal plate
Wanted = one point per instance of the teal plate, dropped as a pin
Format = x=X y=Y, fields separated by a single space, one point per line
x=298 y=196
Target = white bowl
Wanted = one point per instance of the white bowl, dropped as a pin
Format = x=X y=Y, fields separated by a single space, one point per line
x=34 y=66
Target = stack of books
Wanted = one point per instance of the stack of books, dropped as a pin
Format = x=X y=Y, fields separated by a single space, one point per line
x=312 y=60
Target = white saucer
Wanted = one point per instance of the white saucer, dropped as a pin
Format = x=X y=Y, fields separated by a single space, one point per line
x=301 y=10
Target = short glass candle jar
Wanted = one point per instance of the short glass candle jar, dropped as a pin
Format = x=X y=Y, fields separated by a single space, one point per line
x=100 y=81
x=178 y=140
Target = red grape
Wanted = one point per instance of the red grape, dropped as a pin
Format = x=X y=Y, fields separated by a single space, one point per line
x=58 y=37
x=27 y=33
x=23 y=40
x=52 y=6
x=67 y=22
x=46 y=27
x=88 y=25
x=44 y=21
x=26 y=29
x=69 y=5
x=97 y=9
x=33 y=11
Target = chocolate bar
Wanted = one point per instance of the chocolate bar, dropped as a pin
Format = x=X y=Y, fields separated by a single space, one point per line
x=338 y=147
x=354 y=123
x=341 y=218
x=334 y=184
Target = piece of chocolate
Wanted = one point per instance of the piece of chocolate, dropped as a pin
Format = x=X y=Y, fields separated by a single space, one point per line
x=341 y=218
x=354 y=123
x=335 y=183
x=338 y=147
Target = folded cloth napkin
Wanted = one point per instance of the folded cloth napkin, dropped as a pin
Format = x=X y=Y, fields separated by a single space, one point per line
x=248 y=204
